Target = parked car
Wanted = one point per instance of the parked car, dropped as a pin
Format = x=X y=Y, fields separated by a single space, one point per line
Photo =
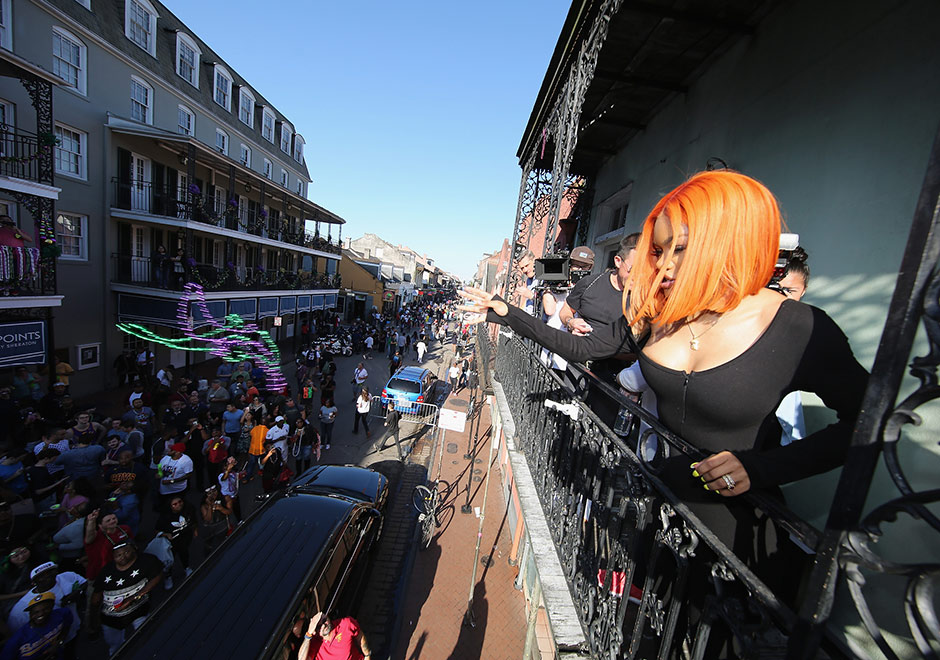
x=303 y=551
x=408 y=387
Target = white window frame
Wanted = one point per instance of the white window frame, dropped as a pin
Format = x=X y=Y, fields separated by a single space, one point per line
x=300 y=187
x=82 y=162
x=268 y=169
x=148 y=112
x=246 y=107
x=82 y=237
x=225 y=141
x=221 y=71
x=285 y=178
x=182 y=109
x=6 y=24
x=286 y=131
x=183 y=39
x=80 y=85
x=7 y=118
x=151 y=47
x=268 y=121
x=244 y=155
x=299 y=144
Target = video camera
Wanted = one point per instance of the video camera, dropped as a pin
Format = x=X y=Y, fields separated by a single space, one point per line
x=560 y=272
x=788 y=244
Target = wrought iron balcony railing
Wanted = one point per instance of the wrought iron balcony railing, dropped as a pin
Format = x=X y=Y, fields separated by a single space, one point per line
x=25 y=155
x=191 y=204
x=165 y=274
x=25 y=272
x=651 y=579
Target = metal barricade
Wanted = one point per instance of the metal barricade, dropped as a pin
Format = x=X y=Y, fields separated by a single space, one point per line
x=411 y=411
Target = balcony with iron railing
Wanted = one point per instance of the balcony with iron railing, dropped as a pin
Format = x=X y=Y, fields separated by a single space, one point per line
x=646 y=576
x=25 y=272
x=25 y=155
x=166 y=274
x=191 y=204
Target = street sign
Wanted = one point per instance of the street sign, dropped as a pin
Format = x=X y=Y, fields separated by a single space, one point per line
x=452 y=420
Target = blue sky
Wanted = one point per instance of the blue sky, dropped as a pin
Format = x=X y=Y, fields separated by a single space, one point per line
x=412 y=111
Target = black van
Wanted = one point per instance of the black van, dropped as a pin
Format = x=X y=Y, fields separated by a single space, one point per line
x=292 y=557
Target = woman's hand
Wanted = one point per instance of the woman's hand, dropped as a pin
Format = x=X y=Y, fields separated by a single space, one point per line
x=477 y=302
x=713 y=470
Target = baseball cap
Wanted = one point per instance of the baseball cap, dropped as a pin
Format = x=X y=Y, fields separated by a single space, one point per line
x=278 y=419
x=41 y=598
x=583 y=255
x=42 y=568
x=179 y=446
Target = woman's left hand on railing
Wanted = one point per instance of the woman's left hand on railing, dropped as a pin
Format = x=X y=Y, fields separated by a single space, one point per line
x=478 y=301
x=722 y=473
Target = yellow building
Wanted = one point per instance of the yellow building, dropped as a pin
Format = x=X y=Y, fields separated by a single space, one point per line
x=361 y=289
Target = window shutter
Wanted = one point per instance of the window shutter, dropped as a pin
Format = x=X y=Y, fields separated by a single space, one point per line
x=124 y=181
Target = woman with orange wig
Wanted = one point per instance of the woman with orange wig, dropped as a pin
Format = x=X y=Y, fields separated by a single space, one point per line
x=720 y=350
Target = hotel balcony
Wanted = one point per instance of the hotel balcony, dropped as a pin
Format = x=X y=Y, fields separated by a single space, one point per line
x=191 y=205
x=154 y=274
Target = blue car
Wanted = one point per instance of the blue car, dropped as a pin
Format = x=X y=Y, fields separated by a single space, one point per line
x=408 y=387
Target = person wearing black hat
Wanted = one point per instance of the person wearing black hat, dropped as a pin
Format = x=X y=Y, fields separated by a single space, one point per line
x=43 y=635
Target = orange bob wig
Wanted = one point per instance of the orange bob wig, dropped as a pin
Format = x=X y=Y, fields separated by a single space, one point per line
x=734 y=236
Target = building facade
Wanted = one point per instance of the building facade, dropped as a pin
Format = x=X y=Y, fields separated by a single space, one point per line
x=173 y=169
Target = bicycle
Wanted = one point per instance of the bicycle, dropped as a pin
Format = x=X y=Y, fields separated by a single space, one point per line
x=427 y=500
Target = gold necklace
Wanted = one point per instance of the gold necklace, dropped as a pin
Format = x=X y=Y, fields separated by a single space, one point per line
x=693 y=343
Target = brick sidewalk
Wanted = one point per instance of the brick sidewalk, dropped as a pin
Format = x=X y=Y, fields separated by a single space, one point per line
x=435 y=602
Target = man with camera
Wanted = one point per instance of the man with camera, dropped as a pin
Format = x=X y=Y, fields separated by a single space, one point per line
x=596 y=301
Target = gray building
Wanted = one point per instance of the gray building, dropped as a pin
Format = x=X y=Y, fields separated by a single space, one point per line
x=172 y=169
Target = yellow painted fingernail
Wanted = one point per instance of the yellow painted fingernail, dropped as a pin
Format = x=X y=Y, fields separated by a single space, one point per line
x=705 y=486
x=703 y=479
x=695 y=473
x=693 y=465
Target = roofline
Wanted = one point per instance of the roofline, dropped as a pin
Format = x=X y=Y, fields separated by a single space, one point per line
x=564 y=50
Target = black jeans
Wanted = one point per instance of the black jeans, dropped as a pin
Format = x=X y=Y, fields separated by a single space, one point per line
x=365 y=421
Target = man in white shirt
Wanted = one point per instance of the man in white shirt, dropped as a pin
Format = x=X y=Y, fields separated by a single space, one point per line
x=174 y=470
x=277 y=434
x=359 y=379
x=422 y=348
x=370 y=342
x=66 y=587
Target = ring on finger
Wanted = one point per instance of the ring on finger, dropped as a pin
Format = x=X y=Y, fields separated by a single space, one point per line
x=729 y=481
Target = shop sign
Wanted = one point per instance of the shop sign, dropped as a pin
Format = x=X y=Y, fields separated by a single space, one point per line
x=22 y=343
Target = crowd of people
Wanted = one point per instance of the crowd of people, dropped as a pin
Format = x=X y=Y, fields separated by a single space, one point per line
x=97 y=511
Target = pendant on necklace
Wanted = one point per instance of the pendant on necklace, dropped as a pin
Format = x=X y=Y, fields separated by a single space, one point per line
x=694 y=344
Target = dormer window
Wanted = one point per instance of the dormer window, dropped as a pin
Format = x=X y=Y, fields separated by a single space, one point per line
x=286 y=134
x=187 y=59
x=267 y=125
x=140 y=24
x=299 y=148
x=246 y=107
x=223 y=87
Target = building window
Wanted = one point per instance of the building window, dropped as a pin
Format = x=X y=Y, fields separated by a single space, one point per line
x=68 y=59
x=141 y=101
x=245 y=157
x=267 y=125
x=187 y=59
x=301 y=188
x=223 y=87
x=140 y=24
x=284 y=178
x=70 y=153
x=85 y=3
x=221 y=141
x=268 y=169
x=246 y=107
x=619 y=217
x=6 y=24
x=72 y=236
x=299 y=148
x=286 y=133
x=187 y=121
